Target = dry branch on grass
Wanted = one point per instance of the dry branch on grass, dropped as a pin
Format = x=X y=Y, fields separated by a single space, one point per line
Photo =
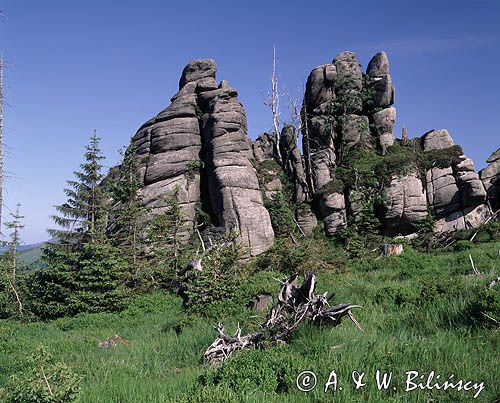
x=295 y=304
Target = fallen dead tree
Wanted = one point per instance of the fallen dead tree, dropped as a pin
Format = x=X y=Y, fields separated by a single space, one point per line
x=295 y=305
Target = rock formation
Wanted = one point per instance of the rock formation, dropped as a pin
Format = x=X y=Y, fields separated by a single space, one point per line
x=346 y=110
x=233 y=187
x=197 y=148
x=340 y=104
x=490 y=176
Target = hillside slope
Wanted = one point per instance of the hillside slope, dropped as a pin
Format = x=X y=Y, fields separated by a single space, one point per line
x=421 y=311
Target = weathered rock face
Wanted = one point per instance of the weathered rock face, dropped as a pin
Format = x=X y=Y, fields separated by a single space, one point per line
x=292 y=163
x=204 y=125
x=198 y=149
x=442 y=191
x=490 y=176
x=339 y=107
x=167 y=146
x=383 y=123
x=306 y=219
x=406 y=203
x=383 y=97
x=263 y=147
x=436 y=140
x=333 y=211
x=233 y=187
x=472 y=191
x=470 y=217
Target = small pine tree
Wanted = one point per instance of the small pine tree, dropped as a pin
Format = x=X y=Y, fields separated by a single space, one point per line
x=84 y=270
x=129 y=211
x=10 y=298
x=164 y=240
x=83 y=216
x=282 y=217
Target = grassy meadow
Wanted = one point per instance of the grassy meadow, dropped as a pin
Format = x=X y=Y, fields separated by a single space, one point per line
x=421 y=311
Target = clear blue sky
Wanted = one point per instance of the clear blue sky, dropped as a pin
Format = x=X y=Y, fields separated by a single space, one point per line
x=111 y=65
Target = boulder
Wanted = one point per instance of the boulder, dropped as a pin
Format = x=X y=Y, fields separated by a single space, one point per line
x=406 y=204
x=490 y=176
x=348 y=71
x=378 y=66
x=383 y=126
x=198 y=70
x=333 y=211
x=471 y=217
x=436 y=140
x=165 y=148
x=471 y=187
x=378 y=70
x=261 y=302
x=355 y=201
x=443 y=195
x=306 y=218
x=264 y=147
x=320 y=86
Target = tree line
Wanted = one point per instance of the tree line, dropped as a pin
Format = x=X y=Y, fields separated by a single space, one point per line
x=107 y=245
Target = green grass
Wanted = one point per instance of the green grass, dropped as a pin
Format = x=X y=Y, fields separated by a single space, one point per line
x=418 y=314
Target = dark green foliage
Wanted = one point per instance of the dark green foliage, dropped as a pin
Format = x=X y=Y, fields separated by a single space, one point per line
x=84 y=271
x=275 y=371
x=426 y=291
x=83 y=216
x=10 y=296
x=129 y=211
x=195 y=166
x=367 y=93
x=366 y=168
x=88 y=280
x=486 y=306
x=8 y=305
x=164 y=242
x=427 y=239
x=43 y=380
x=334 y=186
x=209 y=291
x=282 y=217
x=284 y=257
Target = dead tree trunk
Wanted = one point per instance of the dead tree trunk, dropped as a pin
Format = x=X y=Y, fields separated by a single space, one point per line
x=295 y=304
x=1 y=140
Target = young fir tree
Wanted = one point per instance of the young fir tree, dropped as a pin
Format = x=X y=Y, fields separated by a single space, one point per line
x=129 y=211
x=83 y=216
x=84 y=270
x=10 y=296
x=163 y=240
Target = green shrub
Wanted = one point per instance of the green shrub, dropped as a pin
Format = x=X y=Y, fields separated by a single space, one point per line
x=462 y=245
x=282 y=217
x=486 y=306
x=90 y=280
x=273 y=370
x=210 y=291
x=284 y=257
x=43 y=380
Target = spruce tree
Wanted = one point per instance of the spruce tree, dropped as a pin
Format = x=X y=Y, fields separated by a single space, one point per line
x=164 y=240
x=128 y=209
x=10 y=296
x=83 y=216
x=84 y=271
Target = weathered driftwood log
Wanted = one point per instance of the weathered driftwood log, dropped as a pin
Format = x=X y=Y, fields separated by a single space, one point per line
x=295 y=304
